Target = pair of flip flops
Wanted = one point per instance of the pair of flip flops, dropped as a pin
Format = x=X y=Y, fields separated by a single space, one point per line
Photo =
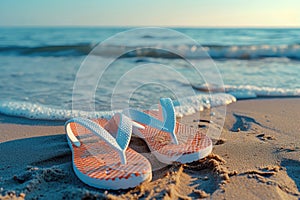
x=102 y=158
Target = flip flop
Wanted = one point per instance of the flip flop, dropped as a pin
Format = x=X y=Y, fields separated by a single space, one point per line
x=169 y=140
x=102 y=160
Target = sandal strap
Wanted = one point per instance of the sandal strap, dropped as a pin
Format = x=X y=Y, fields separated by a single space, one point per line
x=120 y=143
x=167 y=112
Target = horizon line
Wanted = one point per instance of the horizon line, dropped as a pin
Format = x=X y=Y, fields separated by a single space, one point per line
x=140 y=26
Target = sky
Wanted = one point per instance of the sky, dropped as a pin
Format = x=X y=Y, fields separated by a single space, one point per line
x=170 y=13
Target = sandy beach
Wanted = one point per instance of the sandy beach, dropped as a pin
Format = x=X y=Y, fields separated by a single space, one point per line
x=256 y=157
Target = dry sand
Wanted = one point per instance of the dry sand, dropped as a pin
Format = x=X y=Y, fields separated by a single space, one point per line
x=257 y=157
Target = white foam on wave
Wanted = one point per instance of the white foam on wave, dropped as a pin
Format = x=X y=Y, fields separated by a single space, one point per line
x=183 y=107
x=43 y=112
x=191 y=105
x=251 y=91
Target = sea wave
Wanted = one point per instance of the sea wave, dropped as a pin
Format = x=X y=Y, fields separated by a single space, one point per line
x=186 y=106
x=291 y=51
x=48 y=50
x=254 y=51
x=250 y=91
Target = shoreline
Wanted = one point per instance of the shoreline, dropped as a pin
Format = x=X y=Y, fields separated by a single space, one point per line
x=256 y=157
x=10 y=119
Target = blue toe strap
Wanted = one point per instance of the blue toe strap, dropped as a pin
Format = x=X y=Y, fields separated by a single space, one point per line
x=167 y=112
x=120 y=143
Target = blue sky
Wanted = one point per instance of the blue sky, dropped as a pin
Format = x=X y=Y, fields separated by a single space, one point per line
x=199 y=13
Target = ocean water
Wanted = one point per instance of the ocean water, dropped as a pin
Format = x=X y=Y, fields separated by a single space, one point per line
x=57 y=73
